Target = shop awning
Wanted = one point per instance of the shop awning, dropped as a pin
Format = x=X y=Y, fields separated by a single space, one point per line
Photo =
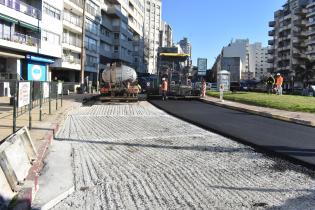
x=7 y=18
x=10 y=55
x=29 y=26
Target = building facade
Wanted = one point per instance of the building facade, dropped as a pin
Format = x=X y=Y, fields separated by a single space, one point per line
x=186 y=46
x=240 y=48
x=253 y=57
x=30 y=38
x=292 y=38
x=152 y=27
x=234 y=66
x=166 y=35
x=68 y=68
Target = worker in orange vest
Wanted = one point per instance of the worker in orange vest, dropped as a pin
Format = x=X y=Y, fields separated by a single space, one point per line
x=164 y=87
x=279 y=82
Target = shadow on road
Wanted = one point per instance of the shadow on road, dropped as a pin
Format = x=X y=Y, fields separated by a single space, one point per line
x=200 y=148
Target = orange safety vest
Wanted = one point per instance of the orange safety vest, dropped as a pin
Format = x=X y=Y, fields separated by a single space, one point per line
x=164 y=86
x=279 y=80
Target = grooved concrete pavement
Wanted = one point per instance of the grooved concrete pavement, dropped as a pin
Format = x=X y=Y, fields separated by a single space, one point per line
x=134 y=156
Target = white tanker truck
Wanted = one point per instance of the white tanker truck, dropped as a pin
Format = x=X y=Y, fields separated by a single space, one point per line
x=119 y=81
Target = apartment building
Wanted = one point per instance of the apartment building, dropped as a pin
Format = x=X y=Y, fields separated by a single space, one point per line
x=166 y=35
x=240 y=48
x=68 y=68
x=291 y=33
x=187 y=49
x=30 y=34
x=152 y=27
x=258 y=58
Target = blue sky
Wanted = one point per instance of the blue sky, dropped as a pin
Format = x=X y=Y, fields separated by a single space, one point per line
x=212 y=24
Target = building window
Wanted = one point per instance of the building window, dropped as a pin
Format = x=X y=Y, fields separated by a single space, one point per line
x=116 y=49
x=52 y=11
x=50 y=37
x=91 y=61
x=91 y=26
x=91 y=44
x=5 y=30
x=116 y=35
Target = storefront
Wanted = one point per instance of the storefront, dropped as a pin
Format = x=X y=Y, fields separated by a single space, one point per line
x=36 y=68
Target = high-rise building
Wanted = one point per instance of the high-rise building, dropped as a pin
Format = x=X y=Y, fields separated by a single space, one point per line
x=187 y=48
x=68 y=68
x=152 y=26
x=258 y=58
x=30 y=35
x=166 y=35
x=292 y=38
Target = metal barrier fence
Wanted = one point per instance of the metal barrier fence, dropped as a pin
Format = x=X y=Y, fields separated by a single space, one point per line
x=27 y=95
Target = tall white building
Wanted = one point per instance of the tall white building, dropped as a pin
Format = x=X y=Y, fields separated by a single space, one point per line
x=152 y=27
x=68 y=68
x=259 y=60
x=30 y=35
x=187 y=49
x=166 y=35
x=253 y=57
x=240 y=48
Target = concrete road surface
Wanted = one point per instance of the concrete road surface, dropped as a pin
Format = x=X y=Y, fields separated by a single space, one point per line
x=134 y=156
x=289 y=139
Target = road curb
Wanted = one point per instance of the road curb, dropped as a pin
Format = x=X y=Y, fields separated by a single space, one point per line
x=57 y=199
x=29 y=189
x=262 y=113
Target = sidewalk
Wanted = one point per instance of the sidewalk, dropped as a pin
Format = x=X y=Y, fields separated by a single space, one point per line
x=41 y=134
x=38 y=127
x=294 y=117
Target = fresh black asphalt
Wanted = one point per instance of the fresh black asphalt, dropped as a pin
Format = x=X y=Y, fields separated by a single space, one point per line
x=297 y=142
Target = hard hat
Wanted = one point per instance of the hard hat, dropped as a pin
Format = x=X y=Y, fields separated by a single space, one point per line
x=278 y=74
x=163 y=79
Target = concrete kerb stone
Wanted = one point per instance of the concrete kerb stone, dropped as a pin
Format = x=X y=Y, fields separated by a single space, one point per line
x=30 y=187
x=27 y=194
x=261 y=113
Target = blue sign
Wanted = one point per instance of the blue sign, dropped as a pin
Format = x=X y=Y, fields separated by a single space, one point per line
x=36 y=72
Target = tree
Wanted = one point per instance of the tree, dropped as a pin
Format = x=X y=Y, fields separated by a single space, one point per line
x=305 y=73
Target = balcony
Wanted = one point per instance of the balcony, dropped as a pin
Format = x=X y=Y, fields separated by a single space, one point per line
x=270 y=60
x=91 y=47
x=74 y=21
x=21 y=39
x=284 y=57
x=271 y=42
x=271 y=51
x=271 y=33
x=22 y=7
x=272 y=23
x=310 y=23
x=73 y=44
x=79 y=3
x=71 y=59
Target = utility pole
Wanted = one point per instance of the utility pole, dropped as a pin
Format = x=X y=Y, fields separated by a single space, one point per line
x=83 y=44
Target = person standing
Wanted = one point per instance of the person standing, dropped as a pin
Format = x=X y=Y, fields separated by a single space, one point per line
x=279 y=82
x=203 y=88
x=270 y=83
x=164 y=88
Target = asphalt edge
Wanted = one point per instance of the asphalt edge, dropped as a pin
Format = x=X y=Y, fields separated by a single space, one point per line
x=257 y=148
x=261 y=113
